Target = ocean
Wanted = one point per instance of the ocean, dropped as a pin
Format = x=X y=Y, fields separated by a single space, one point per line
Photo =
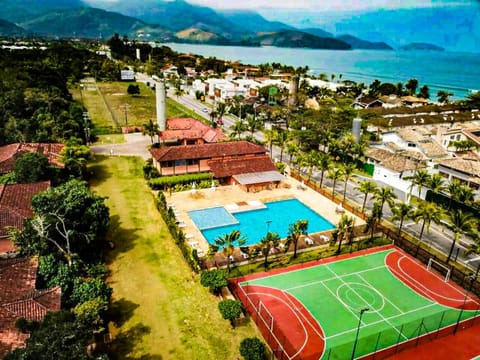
x=458 y=73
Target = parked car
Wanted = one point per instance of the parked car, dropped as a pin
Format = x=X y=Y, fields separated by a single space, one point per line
x=220 y=122
x=205 y=110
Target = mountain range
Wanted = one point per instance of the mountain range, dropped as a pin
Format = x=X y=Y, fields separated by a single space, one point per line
x=180 y=21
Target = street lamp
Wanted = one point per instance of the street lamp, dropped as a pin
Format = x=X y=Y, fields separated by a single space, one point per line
x=268 y=225
x=358 y=331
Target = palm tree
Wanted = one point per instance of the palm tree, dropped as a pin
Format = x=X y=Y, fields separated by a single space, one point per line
x=213 y=115
x=347 y=174
x=344 y=229
x=294 y=232
x=292 y=149
x=253 y=123
x=228 y=242
x=269 y=242
x=237 y=129
x=367 y=187
x=178 y=92
x=421 y=179
x=427 y=212
x=270 y=137
x=221 y=109
x=385 y=195
x=281 y=141
x=335 y=174
x=323 y=164
x=150 y=129
x=435 y=183
x=401 y=211
x=309 y=160
x=460 y=223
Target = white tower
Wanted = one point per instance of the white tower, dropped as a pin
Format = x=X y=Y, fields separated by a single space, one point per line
x=356 y=127
x=161 y=105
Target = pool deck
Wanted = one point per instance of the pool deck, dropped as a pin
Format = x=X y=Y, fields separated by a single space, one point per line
x=235 y=199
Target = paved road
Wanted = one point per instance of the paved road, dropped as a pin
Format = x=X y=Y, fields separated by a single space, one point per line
x=438 y=236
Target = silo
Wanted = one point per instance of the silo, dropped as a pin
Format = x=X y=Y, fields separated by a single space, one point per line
x=356 y=128
x=161 y=105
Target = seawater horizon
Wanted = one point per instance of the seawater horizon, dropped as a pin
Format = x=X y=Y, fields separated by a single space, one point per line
x=456 y=72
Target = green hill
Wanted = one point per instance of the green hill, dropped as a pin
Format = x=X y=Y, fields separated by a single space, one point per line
x=299 y=39
x=10 y=29
x=357 y=43
x=89 y=22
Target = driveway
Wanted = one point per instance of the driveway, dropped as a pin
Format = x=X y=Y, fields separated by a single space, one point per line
x=135 y=145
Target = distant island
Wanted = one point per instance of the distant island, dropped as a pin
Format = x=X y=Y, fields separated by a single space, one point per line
x=421 y=46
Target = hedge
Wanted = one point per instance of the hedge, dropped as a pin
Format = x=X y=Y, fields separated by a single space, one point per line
x=164 y=182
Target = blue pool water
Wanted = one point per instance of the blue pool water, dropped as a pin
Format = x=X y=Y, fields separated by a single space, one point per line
x=212 y=217
x=254 y=224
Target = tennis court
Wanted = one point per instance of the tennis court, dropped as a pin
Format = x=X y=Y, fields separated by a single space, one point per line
x=352 y=305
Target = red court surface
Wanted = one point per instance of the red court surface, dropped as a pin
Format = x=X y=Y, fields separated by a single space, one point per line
x=301 y=337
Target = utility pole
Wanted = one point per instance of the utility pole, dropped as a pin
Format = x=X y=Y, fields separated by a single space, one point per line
x=86 y=127
x=125 y=108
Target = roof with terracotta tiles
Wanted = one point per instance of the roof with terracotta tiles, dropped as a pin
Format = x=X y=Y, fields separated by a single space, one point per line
x=9 y=153
x=15 y=204
x=393 y=161
x=19 y=298
x=190 y=129
x=247 y=164
x=206 y=151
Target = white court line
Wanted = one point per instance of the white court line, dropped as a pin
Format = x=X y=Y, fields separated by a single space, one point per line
x=381 y=321
x=332 y=278
x=367 y=303
x=313 y=266
x=366 y=282
x=294 y=312
x=427 y=289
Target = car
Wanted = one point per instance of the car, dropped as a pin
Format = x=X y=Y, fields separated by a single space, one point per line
x=220 y=122
x=205 y=110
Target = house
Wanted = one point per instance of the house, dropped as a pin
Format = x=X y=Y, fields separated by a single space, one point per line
x=365 y=102
x=19 y=298
x=465 y=170
x=390 y=101
x=420 y=138
x=412 y=101
x=393 y=168
x=10 y=153
x=169 y=70
x=189 y=131
x=15 y=207
x=236 y=162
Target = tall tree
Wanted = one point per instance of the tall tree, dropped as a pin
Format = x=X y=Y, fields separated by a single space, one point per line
x=424 y=92
x=266 y=244
x=461 y=224
x=385 y=194
x=411 y=86
x=151 y=129
x=401 y=211
x=443 y=96
x=421 y=179
x=335 y=174
x=347 y=174
x=229 y=242
x=323 y=164
x=344 y=229
x=295 y=231
x=31 y=167
x=435 y=183
x=366 y=187
x=270 y=137
x=427 y=212
x=281 y=142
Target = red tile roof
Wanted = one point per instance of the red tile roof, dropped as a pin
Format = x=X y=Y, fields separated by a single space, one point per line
x=206 y=151
x=247 y=164
x=190 y=129
x=19 y=298
x=15 y=204
x=9 y=153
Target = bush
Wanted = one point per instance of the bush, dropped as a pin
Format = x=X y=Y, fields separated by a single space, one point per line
x=214 y=280
x=179 y=182
x=252 y=349
x=230 y=310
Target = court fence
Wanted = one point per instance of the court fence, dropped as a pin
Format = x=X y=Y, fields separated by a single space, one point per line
x=371 y=344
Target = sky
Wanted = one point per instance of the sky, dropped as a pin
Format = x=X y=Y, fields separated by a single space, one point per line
x=320 y=5
x=329 y=5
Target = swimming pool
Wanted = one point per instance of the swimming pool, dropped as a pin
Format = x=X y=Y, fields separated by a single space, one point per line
x=254 y=224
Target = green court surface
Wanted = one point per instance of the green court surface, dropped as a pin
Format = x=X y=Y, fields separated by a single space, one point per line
x=335 y=293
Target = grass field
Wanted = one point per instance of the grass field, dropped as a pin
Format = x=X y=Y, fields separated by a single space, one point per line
x=333 y=295
x=106 y=107
x=159 y=310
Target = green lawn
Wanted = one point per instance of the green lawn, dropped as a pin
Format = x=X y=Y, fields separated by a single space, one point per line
x=159 y=309
x=108 y=111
